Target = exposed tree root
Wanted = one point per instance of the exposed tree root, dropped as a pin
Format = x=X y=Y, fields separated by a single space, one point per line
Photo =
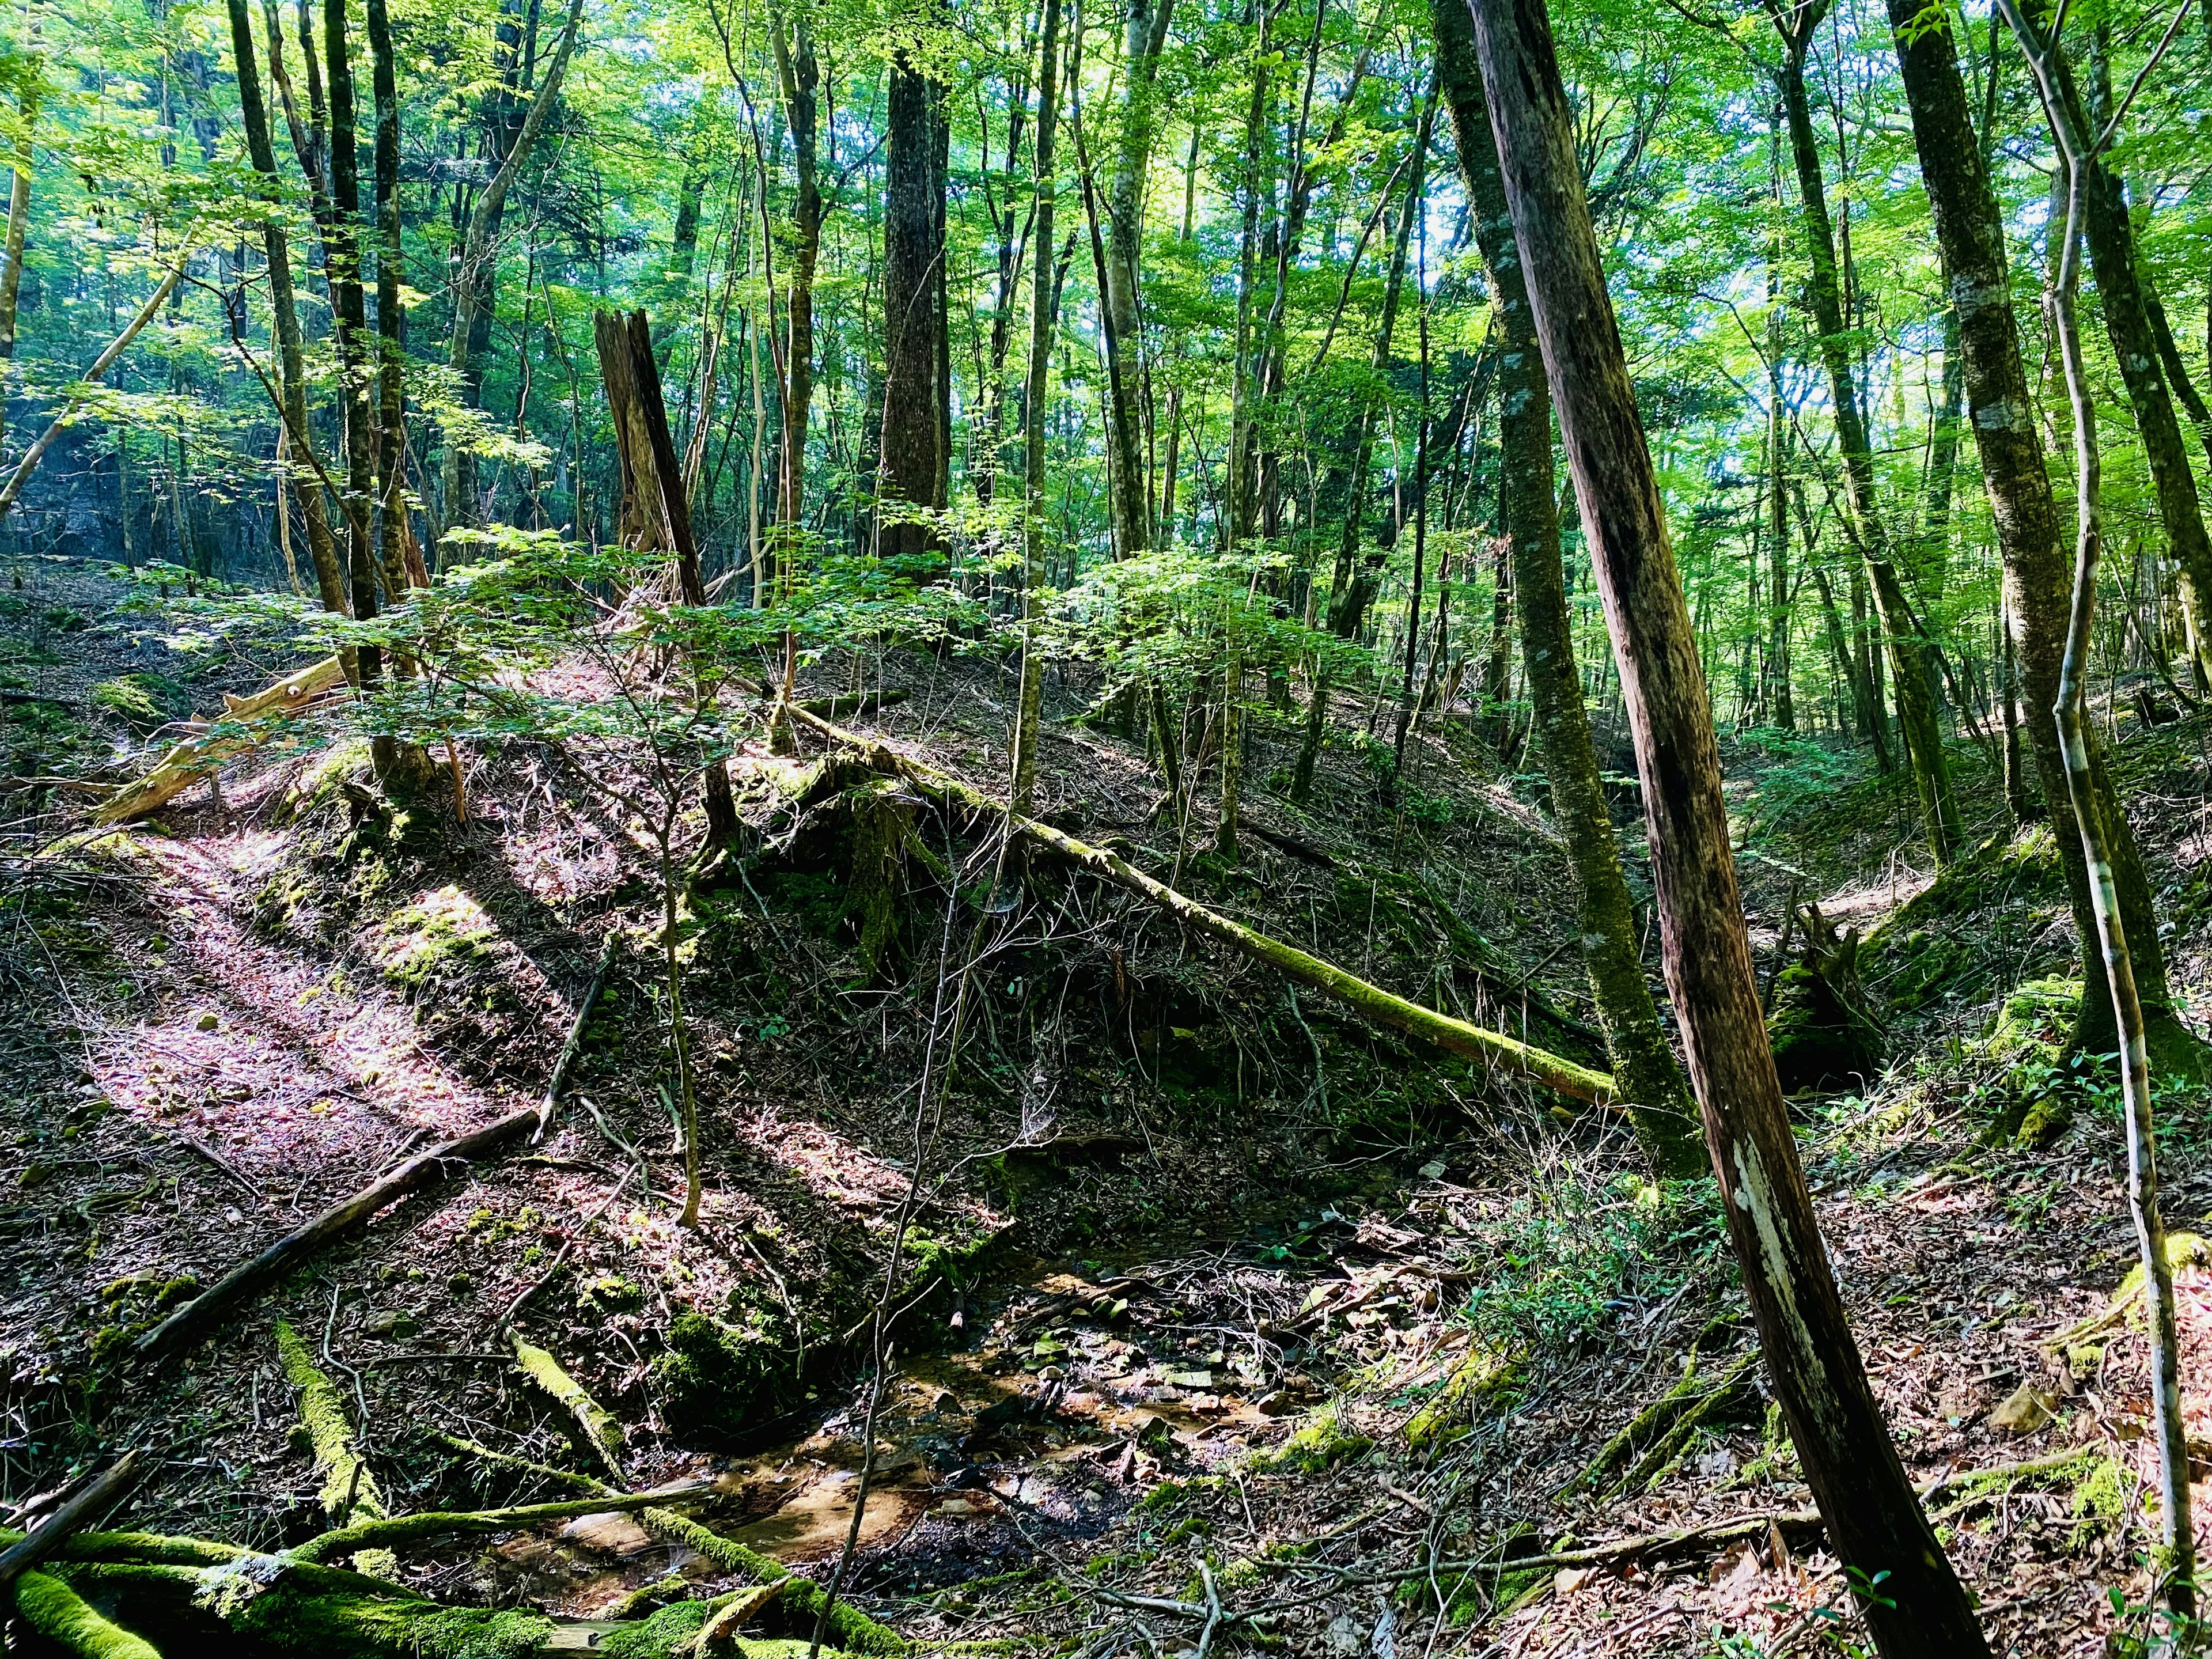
x=95 y=1499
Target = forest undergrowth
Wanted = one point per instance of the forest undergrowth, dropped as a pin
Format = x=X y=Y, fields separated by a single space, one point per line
x=1227 y=1322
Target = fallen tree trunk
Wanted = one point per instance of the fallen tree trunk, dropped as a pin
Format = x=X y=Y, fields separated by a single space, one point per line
x=194 y=758
x=424 y=1170
x=1384 y=1007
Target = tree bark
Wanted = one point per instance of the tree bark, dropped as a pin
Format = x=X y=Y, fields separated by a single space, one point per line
x=2174 y=1563
x=479 y=252
x=1643 y=1065
x=1144 y=31
x=2121 y=296
x=1873 y=1518
x=912 y=459
x=2000 y=409
x=395 y=551
x=19 y=201
x=1031 y=706
x=801 y=75
x=654 y=513
x=291 y=350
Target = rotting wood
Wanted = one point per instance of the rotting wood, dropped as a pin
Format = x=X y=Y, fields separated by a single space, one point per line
x=1384 y=1007
x=194 y=758
x=97 y=1496
x=426 y=1169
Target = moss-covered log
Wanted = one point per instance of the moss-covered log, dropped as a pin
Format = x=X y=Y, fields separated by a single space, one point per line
x=54 y=1609
x=441 y=1524
x=1384 y=1007
x=600 y=1428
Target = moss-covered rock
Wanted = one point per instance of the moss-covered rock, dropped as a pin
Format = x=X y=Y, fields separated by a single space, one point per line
x=713 y=1380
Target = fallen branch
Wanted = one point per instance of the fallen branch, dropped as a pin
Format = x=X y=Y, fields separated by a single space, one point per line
x=424 y=1170
x=801 y=1598
x=194 y=758
x=98 y=1495
x=1384 y=1007
x=571 y=1050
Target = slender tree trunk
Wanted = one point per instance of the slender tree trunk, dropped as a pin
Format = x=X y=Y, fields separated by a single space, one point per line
x=2000 y=404
x=1030 y=707
x=350 y=322
x=1911 y=652
x=1351 y=587
x=1643 y=1063
x=2175 y=1564
x=801 y=75
x=395 y=551
x=1144 y=31
x=2121 y=296
x=300 y=467
x=479 y=251
x=1874 y=1519
x=19 y=204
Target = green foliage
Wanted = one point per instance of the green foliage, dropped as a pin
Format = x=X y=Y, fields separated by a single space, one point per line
x=1558 y=1262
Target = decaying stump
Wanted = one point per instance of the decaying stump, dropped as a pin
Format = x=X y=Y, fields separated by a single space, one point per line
x=1824 y=1034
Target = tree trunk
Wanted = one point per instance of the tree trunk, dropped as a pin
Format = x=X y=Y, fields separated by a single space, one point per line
x=1643 y=1065
x=911 y=461
x=2174 y=1563
x=479 y=252
x=395 y=551
x=654 y=513
x=1910 y=650
x=291 y=352
x=1873 y=1517
x=2120 y=293
x=2000 y=405
x=1031 y=706
x=1144 y=31
x=796 y=67
x=19 y=203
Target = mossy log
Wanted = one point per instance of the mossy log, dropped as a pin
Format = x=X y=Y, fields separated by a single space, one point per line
x=1384 y=1007
x=194 y=758
x=445 y=1524
x=348 y=1487
x=601 y=1429
x=801 y=1598
x=56 y=1611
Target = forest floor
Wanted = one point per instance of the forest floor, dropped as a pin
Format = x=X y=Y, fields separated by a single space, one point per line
x=1228 y=1323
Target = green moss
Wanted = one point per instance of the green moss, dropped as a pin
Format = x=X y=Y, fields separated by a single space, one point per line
x=330 y=1431
x=708 y=1380
x=1447 y=1413
x=1322 y=1441
x=609 y=1293
x=1820 y=1041
x=56 y=1611
x=439 y=938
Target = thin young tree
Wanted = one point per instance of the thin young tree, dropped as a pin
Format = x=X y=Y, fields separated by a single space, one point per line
x=1913 y=1602
x=2078 y=153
